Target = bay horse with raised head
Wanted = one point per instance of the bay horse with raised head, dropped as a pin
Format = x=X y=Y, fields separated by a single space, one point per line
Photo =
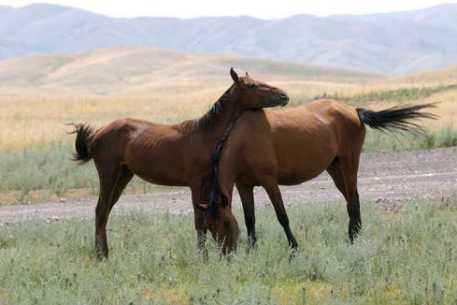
x=289 y=147
x=173 y=155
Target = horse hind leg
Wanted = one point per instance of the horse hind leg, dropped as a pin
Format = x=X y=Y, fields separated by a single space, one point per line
x=344 y=174
x=112 y=183
x=337 y=176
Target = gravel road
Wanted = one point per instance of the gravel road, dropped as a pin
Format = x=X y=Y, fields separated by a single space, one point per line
x=386 y=178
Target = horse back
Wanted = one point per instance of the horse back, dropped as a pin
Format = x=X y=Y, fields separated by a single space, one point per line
x=139 y=145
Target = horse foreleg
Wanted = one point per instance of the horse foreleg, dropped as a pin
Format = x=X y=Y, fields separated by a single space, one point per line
x=200 y=222
x=276 y=198
x=247 y=200
x=201 y=229
x=101 y=218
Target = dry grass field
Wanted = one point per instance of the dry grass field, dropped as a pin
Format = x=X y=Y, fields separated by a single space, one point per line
x=40 y=94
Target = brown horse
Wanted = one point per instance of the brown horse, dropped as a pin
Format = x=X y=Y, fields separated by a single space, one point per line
x=291 y=146
x=174 y=155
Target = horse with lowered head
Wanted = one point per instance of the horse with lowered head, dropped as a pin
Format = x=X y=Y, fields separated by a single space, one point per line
x=290 y=147
x=173 y=155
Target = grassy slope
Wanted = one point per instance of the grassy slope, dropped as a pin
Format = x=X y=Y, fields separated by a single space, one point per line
x=440 y=76
x=405 y=257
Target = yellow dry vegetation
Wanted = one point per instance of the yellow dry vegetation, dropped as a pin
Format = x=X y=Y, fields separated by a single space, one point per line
x=293 y=293
x=40 y=120
x=436 y=77
x=303 y=293
x=172 y=296
x=4 y=296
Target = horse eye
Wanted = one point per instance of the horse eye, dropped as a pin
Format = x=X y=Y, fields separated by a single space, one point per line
x=252 y=86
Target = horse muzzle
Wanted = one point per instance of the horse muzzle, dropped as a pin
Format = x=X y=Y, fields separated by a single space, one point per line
x=280 y=100
x=284 y=99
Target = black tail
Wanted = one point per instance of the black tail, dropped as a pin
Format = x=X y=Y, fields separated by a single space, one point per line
x=398 y=117
x=84 y=135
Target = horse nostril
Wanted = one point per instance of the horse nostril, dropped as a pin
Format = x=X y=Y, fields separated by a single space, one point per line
x=284 y=97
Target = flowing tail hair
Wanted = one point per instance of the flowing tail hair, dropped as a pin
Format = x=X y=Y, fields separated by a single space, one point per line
x=84 y=135
x=397 y=118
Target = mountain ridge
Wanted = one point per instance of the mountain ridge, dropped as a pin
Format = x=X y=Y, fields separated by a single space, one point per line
x=391 y=43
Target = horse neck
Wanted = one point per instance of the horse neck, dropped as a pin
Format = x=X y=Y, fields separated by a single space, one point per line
x=217 y=119
x=220 y=115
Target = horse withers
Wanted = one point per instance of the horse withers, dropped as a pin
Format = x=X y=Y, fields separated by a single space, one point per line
x=289 y=147
x=173 y=155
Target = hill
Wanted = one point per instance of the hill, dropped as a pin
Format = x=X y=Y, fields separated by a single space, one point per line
x=127 y=70
x=444 y=76
x=390 y=43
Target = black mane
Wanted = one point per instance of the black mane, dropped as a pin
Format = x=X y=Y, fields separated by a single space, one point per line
x=211 y=117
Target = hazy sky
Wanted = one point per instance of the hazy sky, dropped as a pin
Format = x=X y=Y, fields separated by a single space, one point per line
x=257 y=8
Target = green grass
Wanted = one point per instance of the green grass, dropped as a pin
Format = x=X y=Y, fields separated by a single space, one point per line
x=396 y=95
x=46 y=167
x=50 y=169
x=408 y=257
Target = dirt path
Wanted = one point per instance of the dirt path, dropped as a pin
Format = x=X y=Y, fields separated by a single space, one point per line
x=383 y=177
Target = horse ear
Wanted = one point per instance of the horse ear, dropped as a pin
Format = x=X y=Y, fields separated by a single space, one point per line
x=234 y=75
x=247 y=75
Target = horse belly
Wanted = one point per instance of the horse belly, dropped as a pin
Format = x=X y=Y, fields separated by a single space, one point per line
x=302 y=172
x=157 y=166
x=161 y=179
x=304 y=159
